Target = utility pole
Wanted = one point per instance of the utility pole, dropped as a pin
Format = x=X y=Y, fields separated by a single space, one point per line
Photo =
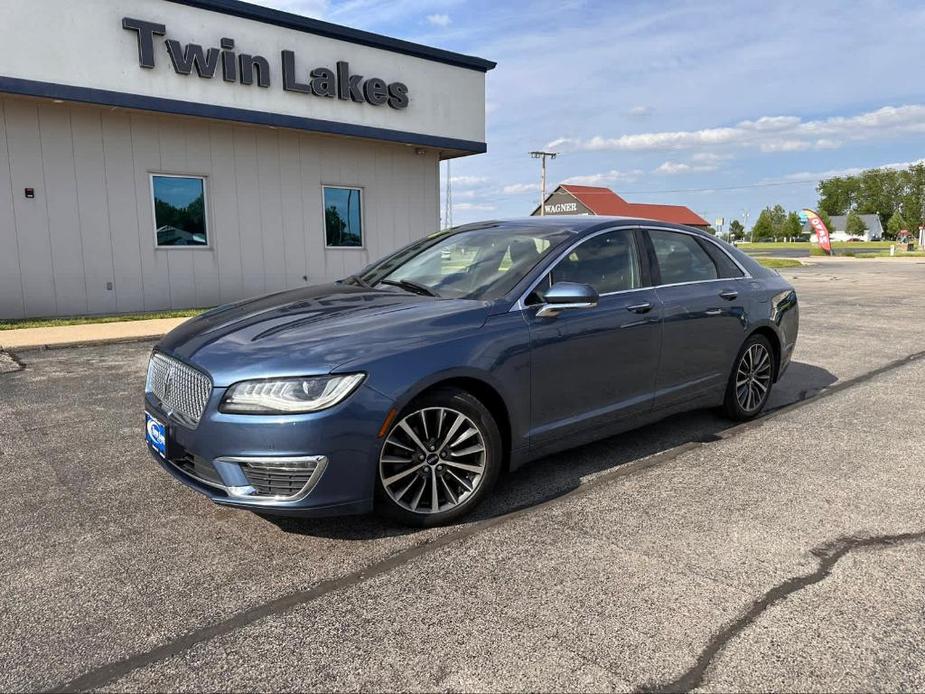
x=448 y=200
x=745 y=231
x=542 y=157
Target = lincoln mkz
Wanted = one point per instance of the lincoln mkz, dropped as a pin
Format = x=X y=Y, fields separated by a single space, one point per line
x=412 y=385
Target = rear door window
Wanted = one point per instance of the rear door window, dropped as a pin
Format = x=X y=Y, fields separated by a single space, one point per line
x=727 y=268
x=681 y=258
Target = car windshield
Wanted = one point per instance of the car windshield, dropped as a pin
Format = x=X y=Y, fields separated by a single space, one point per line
x=483 y=263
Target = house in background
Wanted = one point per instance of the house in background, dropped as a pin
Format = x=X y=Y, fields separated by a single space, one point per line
x=840 y=222
x=585 y=200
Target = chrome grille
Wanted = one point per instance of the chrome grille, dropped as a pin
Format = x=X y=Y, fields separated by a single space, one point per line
x=182 y=390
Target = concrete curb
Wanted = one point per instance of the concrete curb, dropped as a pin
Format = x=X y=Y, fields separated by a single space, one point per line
x=60 y=337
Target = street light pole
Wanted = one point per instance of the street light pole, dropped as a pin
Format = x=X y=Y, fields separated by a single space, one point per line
x=542 y=157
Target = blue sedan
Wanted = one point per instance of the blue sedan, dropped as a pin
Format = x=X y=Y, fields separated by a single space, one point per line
x=412 y=385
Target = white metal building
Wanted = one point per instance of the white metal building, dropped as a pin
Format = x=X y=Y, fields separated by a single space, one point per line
x=181 y=153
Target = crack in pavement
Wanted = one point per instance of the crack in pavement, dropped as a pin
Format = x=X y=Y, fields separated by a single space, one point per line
x=828 y=554
x=104 y=675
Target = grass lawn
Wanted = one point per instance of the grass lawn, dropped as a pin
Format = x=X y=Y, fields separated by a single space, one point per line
x=777 y=263
x=81 y=320
x=899 y=254
x=806 y=245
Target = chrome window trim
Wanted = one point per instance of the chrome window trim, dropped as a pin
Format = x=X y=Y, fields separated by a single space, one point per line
x=520 y=304
x=745 y=273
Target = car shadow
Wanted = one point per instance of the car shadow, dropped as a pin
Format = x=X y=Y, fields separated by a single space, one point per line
x=555 y=475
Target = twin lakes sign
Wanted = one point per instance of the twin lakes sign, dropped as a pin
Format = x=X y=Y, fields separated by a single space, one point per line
x=248 y=69
x=243 y=63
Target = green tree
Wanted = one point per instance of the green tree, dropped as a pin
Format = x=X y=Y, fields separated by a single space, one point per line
x=824 y=216
x=838 y=195
x=877 y=191
x=736 y=230
x=792 y=227
x=854 y=225
x=770 y=224
x=895 y=225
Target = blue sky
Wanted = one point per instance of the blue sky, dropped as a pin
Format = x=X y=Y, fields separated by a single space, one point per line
x=722 y=106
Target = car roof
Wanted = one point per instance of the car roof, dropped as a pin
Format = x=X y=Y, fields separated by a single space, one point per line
x=575 y=224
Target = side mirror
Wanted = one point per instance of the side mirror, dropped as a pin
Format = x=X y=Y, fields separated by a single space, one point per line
x=567 y=295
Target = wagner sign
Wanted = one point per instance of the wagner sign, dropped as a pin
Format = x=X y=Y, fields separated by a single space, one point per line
x=561 y=208
x=247 y=69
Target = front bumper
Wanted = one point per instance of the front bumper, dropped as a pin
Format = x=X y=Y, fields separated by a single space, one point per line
x=335 y=451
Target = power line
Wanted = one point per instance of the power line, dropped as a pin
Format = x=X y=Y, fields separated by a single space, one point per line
x=705 y=190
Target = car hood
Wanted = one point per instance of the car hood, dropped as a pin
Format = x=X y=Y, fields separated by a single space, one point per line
x=313 y=330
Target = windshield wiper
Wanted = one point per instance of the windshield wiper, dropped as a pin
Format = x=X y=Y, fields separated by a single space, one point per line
x=410 y=286
x=359 y=281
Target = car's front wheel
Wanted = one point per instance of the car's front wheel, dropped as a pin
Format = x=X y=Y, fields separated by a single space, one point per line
x=441 y=457
x=751 y=379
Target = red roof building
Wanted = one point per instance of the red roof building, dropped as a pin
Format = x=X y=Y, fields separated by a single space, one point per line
x=569 y=199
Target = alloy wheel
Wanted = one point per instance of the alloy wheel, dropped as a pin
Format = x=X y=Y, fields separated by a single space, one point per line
x=432 y=460
x=753 y=377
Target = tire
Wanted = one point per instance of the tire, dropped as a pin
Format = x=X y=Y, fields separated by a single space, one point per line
x=751 y=380
x=447 y=441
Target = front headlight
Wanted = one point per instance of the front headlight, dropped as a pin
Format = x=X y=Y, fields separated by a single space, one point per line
x=289 y=395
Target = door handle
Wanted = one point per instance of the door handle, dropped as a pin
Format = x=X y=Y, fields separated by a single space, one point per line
x=729 y=294
x=640 y=308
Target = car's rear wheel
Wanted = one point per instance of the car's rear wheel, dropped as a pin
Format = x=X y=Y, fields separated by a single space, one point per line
x=441 y=457
x=751 y=379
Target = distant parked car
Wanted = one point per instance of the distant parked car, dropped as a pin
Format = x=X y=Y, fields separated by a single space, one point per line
x=411 y=386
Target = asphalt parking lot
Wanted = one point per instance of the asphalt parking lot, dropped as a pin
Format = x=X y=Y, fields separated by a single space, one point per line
x=785 y=554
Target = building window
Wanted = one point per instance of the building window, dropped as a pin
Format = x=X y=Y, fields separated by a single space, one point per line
x=343 y=217
x=179 y=210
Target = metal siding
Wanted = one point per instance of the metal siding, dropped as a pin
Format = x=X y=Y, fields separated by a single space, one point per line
x=270 y=204
x=290 y=188
x=155 y=272
x=312 y=210
x=205 y=263
x=25 y=156
x=63 y=217
x=92 y=209
x=92 y=222
x=245 y=168
x=123 y=210
x=181 y=282
x=383 y=204
x=225 y=229
x=11 y=300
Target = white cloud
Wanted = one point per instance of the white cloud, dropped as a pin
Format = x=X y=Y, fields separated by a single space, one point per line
x=463 y=206
x=598 y=179
x=851 y=171
x=768 y=133
x=709 y=157
x=785 y=146
x=640 y=111
x=439 y=20
x=670 y=168
x=516 y=188
x=466 y=181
